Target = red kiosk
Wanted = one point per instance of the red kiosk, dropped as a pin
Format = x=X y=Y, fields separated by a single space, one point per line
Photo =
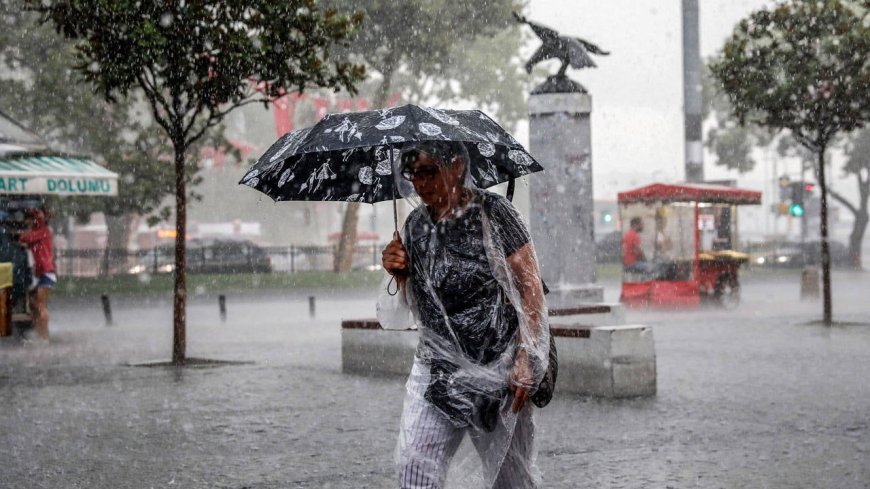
x=688 y=240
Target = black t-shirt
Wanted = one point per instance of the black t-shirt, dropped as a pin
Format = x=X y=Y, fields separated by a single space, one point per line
x=461 y=305
x=452 y=256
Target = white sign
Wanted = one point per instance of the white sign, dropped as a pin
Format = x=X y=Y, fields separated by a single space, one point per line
x=81 y=185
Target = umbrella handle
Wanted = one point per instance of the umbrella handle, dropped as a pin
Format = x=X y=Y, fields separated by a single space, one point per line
x=395 y=211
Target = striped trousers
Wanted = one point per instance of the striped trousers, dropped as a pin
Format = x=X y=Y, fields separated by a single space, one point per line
x=428 y=442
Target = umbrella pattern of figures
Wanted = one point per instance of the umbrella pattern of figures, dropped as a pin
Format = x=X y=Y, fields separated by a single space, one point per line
x=350 y=157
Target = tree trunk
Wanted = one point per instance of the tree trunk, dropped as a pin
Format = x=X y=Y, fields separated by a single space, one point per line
x=132 y=235
x=348 y=239
x=118 y=237
x=826 y=252
x=179 y=344
x=856 y=238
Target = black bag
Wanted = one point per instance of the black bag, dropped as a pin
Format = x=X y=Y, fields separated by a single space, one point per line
x=544 y=393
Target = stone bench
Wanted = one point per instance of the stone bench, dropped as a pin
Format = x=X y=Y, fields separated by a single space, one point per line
x=596 y=356
x=367 y=348
x=606 y=361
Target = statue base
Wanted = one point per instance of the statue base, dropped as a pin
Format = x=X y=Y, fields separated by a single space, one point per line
x=559 y=84
x=561 y=204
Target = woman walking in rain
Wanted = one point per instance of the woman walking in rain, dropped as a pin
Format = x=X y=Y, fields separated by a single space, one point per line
x=466 y=267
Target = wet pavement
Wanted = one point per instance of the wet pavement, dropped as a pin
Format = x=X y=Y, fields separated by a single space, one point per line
x=754 y=398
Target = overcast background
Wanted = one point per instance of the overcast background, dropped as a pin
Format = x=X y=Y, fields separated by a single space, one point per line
x=637 y=119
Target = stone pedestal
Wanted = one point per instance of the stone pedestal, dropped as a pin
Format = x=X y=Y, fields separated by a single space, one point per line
x=561 y=204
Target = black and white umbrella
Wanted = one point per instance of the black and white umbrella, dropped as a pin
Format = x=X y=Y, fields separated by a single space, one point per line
x=351 y=157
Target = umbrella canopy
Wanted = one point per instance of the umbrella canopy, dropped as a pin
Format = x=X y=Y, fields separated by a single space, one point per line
x=351 y=157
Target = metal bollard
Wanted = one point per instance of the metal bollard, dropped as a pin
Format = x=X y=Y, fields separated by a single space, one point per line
x=107 y=309
x=222 y=306
x=311 y=306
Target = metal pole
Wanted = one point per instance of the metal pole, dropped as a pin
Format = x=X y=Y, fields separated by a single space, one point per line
x=395 y=210
x=222 y=307
x=107 y=309
x=803 y=201
x=311 y=306
x=694 y=152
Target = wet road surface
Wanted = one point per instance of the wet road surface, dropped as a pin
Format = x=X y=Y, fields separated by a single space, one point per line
x=753 y=398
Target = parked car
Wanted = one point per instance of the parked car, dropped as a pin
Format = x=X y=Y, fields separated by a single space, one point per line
x=208 y=256
x=790 y=254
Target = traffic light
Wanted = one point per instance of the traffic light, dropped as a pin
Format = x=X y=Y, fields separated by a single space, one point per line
x=799 y=192
x=793 y=197
x=797 y=210
x=606 y=217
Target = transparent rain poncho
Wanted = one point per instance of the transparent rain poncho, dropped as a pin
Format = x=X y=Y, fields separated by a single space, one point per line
x=474 y=292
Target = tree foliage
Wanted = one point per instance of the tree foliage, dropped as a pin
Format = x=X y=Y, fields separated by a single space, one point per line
x=802 y=66
x=448 y=49
x=197 y=60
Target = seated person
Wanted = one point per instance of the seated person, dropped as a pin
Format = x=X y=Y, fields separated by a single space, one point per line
x=633 y=258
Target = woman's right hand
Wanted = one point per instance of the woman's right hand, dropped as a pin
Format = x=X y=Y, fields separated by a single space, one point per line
x=395 y=258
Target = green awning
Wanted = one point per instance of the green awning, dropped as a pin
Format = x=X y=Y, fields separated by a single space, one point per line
x=55 y=175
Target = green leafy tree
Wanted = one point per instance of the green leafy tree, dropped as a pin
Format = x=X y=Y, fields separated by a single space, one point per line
x=436 y=51
x=195 y=61
x=802 y=66
x=42 y=91
x=733 y=145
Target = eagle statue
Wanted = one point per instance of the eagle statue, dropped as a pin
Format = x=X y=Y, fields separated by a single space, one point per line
x=572 y=51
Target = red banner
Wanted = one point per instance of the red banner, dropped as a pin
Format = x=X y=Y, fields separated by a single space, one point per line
x=285 y=107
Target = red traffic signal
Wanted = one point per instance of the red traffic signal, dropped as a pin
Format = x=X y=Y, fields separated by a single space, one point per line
x=809 y=187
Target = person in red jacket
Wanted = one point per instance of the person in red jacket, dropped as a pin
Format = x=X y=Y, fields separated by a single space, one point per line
x=39 y=239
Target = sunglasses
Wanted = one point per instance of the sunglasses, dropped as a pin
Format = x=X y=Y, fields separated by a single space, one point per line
x=424 y=173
